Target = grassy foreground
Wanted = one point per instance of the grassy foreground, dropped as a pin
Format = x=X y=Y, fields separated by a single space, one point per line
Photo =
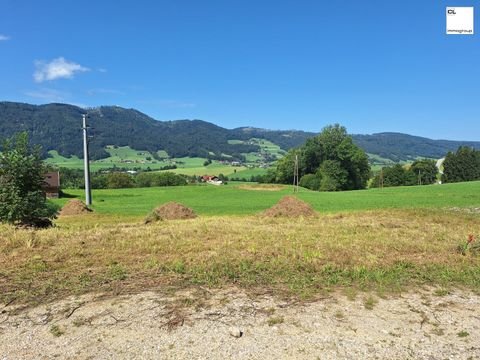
x=382 y=249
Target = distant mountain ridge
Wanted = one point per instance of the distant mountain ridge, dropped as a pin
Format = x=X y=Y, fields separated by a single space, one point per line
x=58 y=127
x=403 y=147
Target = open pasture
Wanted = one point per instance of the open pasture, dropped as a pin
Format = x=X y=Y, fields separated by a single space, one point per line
x=235 y=199
x=382 y=239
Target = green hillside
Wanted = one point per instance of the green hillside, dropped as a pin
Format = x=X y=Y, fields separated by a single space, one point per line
x=57 y=127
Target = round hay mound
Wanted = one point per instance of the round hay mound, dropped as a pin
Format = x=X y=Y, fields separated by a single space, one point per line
x=74 y=207
x=171 y=211
x=290 y=206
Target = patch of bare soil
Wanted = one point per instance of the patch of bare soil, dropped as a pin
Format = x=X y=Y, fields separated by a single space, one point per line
x=171 y=211
x=290 y=206
x=266 y=187
x=231 y=324
x=74 y=207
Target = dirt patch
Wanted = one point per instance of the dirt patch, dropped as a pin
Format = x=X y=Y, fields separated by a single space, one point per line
x=74 y=207
x=290 y=206
x=261 y=187
x=204 y=323
x=171 y=211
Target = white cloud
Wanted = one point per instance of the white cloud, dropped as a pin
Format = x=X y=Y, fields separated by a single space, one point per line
x=56 y=69
x=4 y=37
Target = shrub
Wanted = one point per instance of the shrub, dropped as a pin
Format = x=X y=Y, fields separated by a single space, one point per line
x=22 y=200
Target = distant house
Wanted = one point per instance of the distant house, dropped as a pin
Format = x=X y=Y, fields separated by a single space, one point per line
x=206 y=178
x=51 y=184
x=212 y=179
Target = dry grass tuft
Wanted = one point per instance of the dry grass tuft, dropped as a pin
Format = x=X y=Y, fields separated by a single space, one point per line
x=74 y=207
x=290 y=206
x=171 y=211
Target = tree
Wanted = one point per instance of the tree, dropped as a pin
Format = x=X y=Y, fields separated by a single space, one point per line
x=332 y=176
x=285 y=166
x=22 y=200
x=310 y=181
x=424 y=171
x=395 y=175
x=463 y=165
x=346 y=165
x=117 y=180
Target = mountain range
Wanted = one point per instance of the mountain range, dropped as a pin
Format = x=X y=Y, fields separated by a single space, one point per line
x=58 y=127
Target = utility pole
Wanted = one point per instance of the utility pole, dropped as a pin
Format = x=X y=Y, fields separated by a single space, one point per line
x=86 y=162
x=381 y=178
x=295 y=175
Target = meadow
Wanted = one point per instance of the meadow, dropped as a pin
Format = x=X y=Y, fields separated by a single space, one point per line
x=386 y=240
x=242 y=199
x=127 y=158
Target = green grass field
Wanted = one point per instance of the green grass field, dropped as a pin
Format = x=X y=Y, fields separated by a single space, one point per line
x=232 y=200
x=194 y=166
x=125 y=157
x=121 y=157
x=381 y=239
x=266 y=147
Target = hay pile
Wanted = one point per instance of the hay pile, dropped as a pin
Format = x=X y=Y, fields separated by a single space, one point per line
x=290 y=206
x=74 y=207
x=170 y=211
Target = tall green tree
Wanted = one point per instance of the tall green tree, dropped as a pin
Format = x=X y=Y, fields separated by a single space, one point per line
x=346 y=166
x=463 y=165
x=424 y=171
x=22 y=200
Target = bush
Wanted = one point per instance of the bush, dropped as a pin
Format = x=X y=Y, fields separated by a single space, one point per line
x=22 y=200
x=310 y=181
x=118 y=180
x=160 y=179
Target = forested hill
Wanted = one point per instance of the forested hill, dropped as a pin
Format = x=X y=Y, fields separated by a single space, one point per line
x=58 y=127
x=397 y=146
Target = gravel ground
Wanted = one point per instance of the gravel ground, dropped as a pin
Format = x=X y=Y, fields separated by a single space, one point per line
x=227 y=324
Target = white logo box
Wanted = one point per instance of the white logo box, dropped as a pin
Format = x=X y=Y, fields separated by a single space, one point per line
x=459 y=20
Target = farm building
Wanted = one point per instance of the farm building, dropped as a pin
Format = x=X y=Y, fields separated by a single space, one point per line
x=51 y=184
x=212 y=179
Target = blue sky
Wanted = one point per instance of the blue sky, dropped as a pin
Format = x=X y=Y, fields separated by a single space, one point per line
x=371 y=66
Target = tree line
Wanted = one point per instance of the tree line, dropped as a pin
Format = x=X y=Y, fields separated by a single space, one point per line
x=421 y=172
x=462 y=165
x=74 y=179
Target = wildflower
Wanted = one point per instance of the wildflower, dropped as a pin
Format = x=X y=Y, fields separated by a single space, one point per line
x=471 y=238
